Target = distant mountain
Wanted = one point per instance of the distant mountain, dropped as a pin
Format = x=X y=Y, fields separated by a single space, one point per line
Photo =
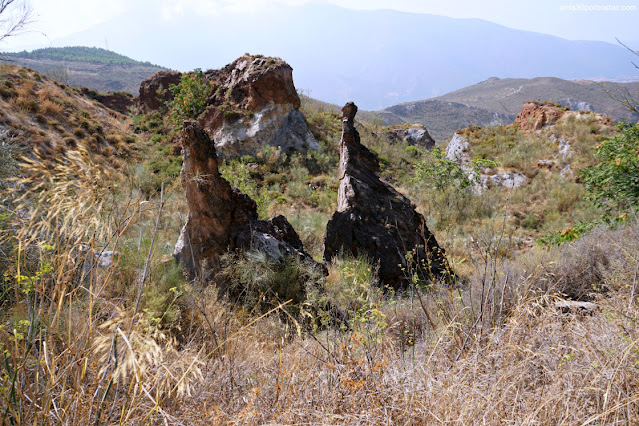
x=506 y=95
x=375 y=58
x=96 y=68
x=499 y=100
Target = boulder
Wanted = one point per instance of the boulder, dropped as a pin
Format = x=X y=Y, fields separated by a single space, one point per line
x=376 y=221
x=534 y=115
x=154 y=91
x=221 y=218
x=416 y=135
x=254 y=103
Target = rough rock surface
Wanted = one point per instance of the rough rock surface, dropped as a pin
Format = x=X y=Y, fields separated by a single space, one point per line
x=505 y=179
x=458 y=150
x=220 y=217
x=374 y=220
x=534 y=115
x=255 y=103
x=415 y=135
x=154 y=91
x=117 y=101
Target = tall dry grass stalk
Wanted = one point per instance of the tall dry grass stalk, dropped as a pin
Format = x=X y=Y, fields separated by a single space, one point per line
x=70 y=354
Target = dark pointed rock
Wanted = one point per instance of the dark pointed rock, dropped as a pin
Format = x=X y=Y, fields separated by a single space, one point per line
x=376 y=221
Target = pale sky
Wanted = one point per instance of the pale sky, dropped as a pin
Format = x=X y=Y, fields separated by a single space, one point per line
x=585 y=20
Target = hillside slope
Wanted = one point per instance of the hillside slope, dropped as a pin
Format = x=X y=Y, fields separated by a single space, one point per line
x=95 y=68
x=506 y=95
x=499 y=100
x=40 y=114
x=442 y=118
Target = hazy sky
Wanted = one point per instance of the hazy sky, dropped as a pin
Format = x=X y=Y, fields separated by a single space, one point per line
x=576 y=20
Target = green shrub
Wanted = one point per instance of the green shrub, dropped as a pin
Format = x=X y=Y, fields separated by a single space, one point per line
x=613 y=183
x=189 y=97
x=239 y=176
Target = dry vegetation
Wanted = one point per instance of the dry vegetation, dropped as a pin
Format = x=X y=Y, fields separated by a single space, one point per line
x=135 y=343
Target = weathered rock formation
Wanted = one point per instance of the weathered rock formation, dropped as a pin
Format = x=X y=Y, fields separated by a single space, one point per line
x=220 y=217
x=534 y=115
x=154 y=91
x=416 y=135
x=376 y=221
x=254 y=103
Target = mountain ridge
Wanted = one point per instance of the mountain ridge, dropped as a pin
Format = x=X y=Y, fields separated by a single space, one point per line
x=391 y=57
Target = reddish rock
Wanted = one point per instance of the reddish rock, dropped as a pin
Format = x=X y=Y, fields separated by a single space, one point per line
x=534 y=115
x=251 y=83
x=376 y=221
x=221 y=218
x=254 y=103
x=154 y=91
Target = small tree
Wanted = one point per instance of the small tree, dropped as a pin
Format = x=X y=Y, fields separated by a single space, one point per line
x=189 y=97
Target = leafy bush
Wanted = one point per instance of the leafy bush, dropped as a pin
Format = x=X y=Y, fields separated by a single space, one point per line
x=189 y=97
x=613 y=183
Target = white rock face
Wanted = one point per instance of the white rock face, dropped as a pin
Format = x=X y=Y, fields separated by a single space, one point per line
x=506 y=179
x=276 y=125
x=458 y=149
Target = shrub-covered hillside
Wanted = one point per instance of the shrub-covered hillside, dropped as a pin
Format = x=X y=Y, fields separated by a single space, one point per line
x=98 y=324
x=81 y=66
x=78 y=54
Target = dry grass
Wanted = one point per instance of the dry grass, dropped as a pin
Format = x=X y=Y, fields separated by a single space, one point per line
x=494 y=351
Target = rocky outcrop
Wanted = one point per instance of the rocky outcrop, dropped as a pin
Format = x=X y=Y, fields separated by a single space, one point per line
x=118 y=101
x=601 y=120
x=376 y=221
x=505 y=179
x=458 y=150
x=534 y=115
x=154 y=91
x=416 y=135
x=221 y=218
x=254 y=103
